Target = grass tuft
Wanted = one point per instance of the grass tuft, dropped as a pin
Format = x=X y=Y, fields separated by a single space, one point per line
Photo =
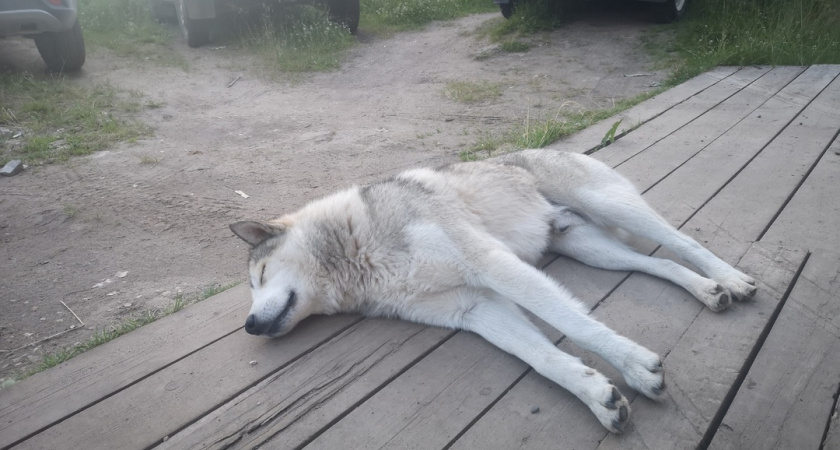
x=473 y=91
x=748 y=32
x=389 y=16
x=539 y=133
x=57 y=120
x=127 y=28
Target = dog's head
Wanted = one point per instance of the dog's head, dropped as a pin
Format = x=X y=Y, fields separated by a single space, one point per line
x=282 y=296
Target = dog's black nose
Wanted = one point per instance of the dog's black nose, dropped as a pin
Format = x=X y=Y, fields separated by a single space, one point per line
x=251 y=325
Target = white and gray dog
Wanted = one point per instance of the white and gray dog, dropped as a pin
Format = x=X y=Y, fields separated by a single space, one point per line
x=454 y=247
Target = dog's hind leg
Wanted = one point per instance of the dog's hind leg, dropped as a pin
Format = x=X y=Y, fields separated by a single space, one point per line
x=501 y=323
x=577 y=238
x=628 y=210
x=502 y=272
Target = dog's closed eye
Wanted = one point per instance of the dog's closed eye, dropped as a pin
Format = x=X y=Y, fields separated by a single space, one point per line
x=262 y=275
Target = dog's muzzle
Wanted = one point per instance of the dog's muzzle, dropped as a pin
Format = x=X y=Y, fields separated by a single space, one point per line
x=272 y=327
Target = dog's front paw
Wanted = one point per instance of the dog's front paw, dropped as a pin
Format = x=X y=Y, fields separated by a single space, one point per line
x=715 y=296
x=611 y=408
x=642 y=370
x=740 y=286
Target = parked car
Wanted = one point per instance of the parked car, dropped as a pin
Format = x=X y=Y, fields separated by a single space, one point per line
x=664 y=11
x=196 y=16
x=53 y=24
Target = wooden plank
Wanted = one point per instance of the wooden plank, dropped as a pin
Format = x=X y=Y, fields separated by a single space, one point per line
x=767 y=181
x=742 y=88
x=718 y=162
x=832 y=438
x=170 y=399
x=747 y=121
x=706 y=360
x=50 y=396
x=746 y=206
x=462 y=377
x=295 y=402
x=787 y=396
x=591 y=137
x=642 y=309
x=815 y=204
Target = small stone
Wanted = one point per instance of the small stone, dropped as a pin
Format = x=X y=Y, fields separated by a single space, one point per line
x=122 y=274
x=253 y=363
x=165 y=438
x=127 y=305
x=11 y=168
x=535 y=409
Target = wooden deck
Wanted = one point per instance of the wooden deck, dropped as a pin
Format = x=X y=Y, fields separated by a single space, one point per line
x=745 y=160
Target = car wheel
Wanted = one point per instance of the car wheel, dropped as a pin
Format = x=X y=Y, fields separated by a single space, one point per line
x=670 y=10
x=345 y=12
x=196 y=32
x=162 y=12
x=62 y=51
x=507 y=9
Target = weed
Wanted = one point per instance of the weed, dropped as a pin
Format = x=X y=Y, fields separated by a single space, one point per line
x=609 y=137
x=70 y=211
x=515 y=46
x=747 y=32
x=473 y=91
x=301 y=39
x=126 y=27
x=149 y=159
x=59 y=120
x=389 y=16
x=538 y=133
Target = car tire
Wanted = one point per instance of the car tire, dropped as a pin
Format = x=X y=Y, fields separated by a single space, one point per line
x=162 y=11
x=62 y=51
x=345 y=12
x=196 y=32
x=507 y=10
x=670 y=11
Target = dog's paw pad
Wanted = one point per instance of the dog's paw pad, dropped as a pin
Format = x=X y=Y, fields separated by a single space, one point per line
x=615 y=397
x=614 y=411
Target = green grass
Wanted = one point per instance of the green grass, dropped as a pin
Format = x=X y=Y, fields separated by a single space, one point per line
x=126 y=27
x=389 y=16
x=58 y=119
x=126 y=326
x=296 y=39
x=748 y=32
x=473 y=91
x=302 y=39
x=540 y=132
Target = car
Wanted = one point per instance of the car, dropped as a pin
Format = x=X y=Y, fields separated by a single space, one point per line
x=664 y=11
x=196 y=16
x=53 y=24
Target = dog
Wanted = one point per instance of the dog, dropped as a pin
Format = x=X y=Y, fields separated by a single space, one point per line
x=455 y=246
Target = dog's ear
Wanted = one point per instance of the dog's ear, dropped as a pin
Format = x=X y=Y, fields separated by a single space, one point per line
x=255 y=233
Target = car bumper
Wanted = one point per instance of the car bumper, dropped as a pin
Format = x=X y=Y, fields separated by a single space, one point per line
x=19 y=17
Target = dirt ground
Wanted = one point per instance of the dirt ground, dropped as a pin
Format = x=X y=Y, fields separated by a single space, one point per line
x=116 y=233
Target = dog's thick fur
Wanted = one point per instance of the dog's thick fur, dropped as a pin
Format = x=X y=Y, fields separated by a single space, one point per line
x=454 y=247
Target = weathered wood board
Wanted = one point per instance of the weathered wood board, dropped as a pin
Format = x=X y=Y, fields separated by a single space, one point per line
x=812 y=218
x=50 y=396
x=644 y=112
x=698 y=118
x=170 y=399
x=787 y=396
